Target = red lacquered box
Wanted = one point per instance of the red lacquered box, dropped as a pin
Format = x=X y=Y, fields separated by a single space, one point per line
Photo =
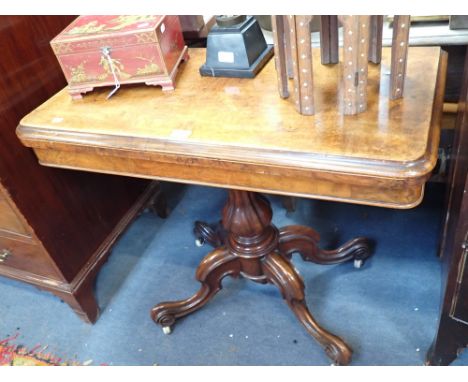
x=112 y=50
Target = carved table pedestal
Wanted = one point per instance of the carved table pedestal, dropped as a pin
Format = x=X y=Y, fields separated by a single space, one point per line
x=256 y=249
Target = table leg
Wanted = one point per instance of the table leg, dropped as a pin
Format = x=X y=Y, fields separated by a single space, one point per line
x=158 y=202
x=289 y=203
x=214 y=234
x=304 y=240
x=82 y=300
x=257 y=250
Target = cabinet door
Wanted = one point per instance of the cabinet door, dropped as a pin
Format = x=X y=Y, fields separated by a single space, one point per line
x=10 y=222
x=19 y=248
x=452 y=332
x=19 y=256
x=460 y=298
x=455 y=249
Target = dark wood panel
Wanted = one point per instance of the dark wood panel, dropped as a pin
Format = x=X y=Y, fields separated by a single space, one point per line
x=10 y=221
x=63 y=207
x=29 y=257
x=452 y=332
x=456 y=58
x=460 y=298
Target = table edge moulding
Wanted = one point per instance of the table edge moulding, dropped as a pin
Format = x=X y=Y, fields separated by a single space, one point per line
x=333 y=176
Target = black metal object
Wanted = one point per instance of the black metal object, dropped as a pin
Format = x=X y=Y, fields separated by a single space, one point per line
x=235 y=48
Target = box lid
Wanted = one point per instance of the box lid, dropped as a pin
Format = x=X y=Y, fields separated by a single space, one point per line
x=92 y=26
x=93 y=31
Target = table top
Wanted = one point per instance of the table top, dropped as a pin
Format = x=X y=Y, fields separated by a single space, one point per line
x=245 y=122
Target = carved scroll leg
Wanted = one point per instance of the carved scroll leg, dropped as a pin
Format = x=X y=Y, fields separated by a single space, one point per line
x=304 y=240
x=212 y=234
x=213 y=268
x=281 y=273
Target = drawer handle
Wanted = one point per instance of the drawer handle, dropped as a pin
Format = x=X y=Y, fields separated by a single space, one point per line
x=4 y=254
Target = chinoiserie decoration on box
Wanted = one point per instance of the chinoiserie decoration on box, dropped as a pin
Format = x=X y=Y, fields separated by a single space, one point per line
x=96 y=51
x=362 y=42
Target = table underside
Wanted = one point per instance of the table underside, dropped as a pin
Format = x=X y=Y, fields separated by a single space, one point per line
x=384 y=192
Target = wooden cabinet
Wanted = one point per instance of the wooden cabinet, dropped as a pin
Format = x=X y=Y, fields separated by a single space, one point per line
x=460 y=299
x=56 y=226
x=19 y=249
x=452 y=333
x=10 y=221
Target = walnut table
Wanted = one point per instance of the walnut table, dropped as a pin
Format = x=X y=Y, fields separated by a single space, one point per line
x=239 y=134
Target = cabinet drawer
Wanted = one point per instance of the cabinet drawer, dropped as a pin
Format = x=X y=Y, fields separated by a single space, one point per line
x=9 y=219
x=25 y=256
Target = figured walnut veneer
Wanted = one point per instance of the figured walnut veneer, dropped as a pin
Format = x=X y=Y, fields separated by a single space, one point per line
x=237 y=133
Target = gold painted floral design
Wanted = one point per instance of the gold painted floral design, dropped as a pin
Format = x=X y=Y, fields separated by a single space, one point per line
x=77 y=74
x=145 y=38
x=118 y=68
x=115 y=24
x=89 y=28
x=126 y=20
x=150 y=68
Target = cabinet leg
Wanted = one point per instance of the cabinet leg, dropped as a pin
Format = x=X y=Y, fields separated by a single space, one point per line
x=158 y=203
x=82 y=301
x=289 y=203
x=449 y=342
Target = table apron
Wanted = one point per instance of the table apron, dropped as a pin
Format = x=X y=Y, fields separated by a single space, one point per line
x=360 y=189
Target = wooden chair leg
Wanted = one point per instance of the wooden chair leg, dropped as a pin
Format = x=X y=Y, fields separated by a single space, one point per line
x=158 y=202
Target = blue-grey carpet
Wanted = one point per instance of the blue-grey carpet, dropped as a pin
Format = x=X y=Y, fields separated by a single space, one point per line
x=387 y=311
